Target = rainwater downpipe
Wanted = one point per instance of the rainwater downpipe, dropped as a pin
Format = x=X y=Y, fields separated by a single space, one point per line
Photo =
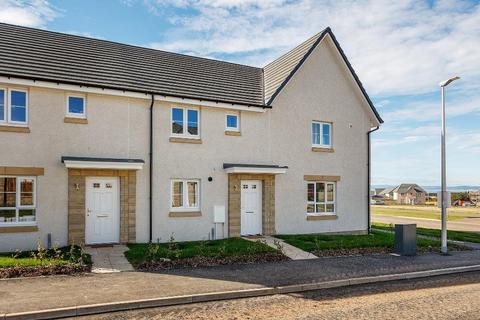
x=369 y=169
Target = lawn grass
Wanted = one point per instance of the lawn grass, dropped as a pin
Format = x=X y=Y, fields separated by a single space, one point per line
x=452 y=235
x=377 y=239
x=142 y=252
x=25 y=259
x=427 y=212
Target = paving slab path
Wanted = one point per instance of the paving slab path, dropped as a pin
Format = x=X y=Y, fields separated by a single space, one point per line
x=30 y=294
x=290 y=251
x=109 y=259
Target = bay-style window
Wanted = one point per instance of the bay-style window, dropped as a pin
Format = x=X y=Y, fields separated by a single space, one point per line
x=185 y=122
x=17 y=200
x=321 y=197
x=13 y=106
x=185 y=195
x=321 y=134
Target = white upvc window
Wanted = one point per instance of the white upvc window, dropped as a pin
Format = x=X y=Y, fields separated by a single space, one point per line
x=17 y=200
x=232 y=122
x=185 y=122
x=76 y=106
x=185 y=195
x=321 y=197
x=13 y=106
x=3 y=105
x=321 y=134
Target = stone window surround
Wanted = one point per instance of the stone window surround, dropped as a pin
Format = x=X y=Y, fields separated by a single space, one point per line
x=234 y=202
x=76 y=202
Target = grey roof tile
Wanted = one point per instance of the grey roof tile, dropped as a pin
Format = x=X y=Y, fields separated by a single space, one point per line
x=46 y=55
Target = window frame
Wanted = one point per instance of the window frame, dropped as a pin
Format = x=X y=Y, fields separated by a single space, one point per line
x=9 y=112
x=185 y=199
x=321 y=145
x=185 y=133
x=237 y=128
x=326 y=202
x=18 y=205
x=76 y=115
x=5 y=95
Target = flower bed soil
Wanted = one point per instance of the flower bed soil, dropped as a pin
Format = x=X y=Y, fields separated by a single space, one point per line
x=18 y=272
x=210 y=261
x=377 y=250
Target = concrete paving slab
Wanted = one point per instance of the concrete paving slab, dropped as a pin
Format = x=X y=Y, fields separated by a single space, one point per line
x=290 y=251
x=109 y=259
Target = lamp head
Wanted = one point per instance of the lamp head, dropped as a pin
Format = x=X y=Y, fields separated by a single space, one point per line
x=448 y=81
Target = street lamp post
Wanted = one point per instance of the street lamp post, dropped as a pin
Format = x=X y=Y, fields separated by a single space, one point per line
x=444 y=249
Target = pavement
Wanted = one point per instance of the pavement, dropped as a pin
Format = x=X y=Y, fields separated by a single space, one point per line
x=467 y=224
x=443 y=297
x=109 y=259
x=127 y=290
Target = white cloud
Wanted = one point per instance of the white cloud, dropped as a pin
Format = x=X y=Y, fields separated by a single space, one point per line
x=400 y=47
x=30 y=13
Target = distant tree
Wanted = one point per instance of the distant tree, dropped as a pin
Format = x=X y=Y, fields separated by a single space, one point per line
x=460 y=196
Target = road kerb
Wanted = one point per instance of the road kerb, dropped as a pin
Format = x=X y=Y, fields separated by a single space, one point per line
x=226 y=295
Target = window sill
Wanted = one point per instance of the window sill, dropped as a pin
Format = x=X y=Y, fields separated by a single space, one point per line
x=75 y=120
x=322 y=149
x=232 y=133
x=311 y=217
x=17 y=229
x=184 y=214
x=12 y=128
x=185 y=140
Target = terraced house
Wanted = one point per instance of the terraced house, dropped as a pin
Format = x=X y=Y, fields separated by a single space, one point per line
x=104 y=142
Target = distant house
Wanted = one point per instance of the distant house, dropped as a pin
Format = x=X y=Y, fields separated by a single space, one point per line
x=406 y=193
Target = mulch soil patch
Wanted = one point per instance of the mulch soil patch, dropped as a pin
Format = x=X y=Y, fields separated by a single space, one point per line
x=18 y=272
x=210 y=261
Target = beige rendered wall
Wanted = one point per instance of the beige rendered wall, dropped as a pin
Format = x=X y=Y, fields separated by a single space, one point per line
x=200 y=161
x=321 y=90
x=116 y=128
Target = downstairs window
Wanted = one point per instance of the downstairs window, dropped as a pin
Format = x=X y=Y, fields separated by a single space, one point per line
x=17 y=200
x=321 y=197
x=185 y=195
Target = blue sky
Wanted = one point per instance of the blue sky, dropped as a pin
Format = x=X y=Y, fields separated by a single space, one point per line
x=401 y=50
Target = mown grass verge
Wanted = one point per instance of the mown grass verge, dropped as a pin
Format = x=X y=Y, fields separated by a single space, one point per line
x=334 y=245
x=169 y=255
x=65 y=260
x=451 y=235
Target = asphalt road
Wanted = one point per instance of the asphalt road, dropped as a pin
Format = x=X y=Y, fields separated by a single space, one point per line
x=467 y=224
x=444 y=297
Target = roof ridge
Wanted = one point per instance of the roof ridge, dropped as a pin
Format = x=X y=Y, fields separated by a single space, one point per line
x=317 y=35
x=127 y=45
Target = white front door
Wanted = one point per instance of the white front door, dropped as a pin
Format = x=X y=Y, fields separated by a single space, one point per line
x=251 y=207
x=102 y=210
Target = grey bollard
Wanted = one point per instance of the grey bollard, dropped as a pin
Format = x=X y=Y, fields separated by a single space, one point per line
x=406 y=239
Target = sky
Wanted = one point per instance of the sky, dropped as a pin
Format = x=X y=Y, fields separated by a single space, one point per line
x=400 y=50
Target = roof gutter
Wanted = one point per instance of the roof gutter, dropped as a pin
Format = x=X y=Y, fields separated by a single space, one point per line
x=369 y=169
x=150 y=172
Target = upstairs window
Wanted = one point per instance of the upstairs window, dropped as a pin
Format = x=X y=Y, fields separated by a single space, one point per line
x=321 y=134
x=76 y=106
x=231 y=122
x=3 y=105
x=321 y=198
x=185 y=122
x=13 y=106
x=17 y=200
x=18 y=106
